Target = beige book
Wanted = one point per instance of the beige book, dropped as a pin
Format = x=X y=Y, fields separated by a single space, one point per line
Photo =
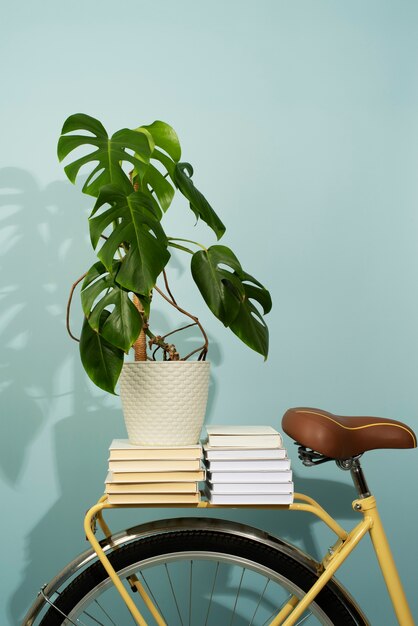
x=122 y=450
x=159 y=477
x=175 y=487
x=153 y=498
x=152 y=465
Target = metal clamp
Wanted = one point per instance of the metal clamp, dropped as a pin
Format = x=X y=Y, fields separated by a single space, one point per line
x=49 y=601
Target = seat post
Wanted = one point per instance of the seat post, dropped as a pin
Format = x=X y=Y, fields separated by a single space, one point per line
x=353 y=464
x=359 y=479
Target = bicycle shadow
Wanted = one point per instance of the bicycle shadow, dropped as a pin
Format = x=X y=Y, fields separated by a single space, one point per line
x=300 y=528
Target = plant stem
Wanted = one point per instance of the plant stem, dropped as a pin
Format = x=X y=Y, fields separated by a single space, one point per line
x=196 y=243
x=178 y=330
x=140 y=345
x=167 y=287
x=177 y=246
x=205 y=347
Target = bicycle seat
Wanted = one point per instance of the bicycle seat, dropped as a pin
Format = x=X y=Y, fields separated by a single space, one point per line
x=342 y=437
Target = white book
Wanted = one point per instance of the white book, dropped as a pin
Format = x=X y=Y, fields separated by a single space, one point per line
x=244 y=436
x=249 y=465
x=249 y=498
x=243 y=453
x=236 y=488
x=250 y=477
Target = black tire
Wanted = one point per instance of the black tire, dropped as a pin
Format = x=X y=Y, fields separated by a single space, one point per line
x=181 y=551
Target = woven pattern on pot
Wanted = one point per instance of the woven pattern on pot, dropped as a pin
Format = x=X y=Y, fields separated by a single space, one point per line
x=164 y=403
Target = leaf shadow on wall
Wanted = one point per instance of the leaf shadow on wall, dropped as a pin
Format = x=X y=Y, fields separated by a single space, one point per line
x=38 y=243
x=44 y=389
x=58 y=424
x=41 y=251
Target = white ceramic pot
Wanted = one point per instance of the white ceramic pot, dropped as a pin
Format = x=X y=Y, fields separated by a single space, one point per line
x=164 y=402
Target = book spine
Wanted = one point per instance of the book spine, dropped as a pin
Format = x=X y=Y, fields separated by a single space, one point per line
x=250 y=477
x=274 y=465
x=191 y=487
x=244 y=454
x=283 y=499
x=157 y=477
x=230 y=441
x=237 y=488
x=154 y=466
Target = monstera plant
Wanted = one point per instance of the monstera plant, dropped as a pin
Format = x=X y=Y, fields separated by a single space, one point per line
x=133 y=176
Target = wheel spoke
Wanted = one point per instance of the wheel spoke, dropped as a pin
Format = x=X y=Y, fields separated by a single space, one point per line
x=174 y=595
x=211 y=593
x=152 y=597
x=277 y=611
x=237 y=596
x=190 y=592
x=105 y=612
x=199 y=580
x=259 y=602
x=90 y=616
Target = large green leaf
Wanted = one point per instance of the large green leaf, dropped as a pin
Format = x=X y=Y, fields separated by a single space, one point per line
x=219 y=287
x=165 y=137
x=198 y=203
x=249 y=324
x=137 y=230
x=109 y=154
x=101 y=360
x=230 y=294
x=256 y=291
x=154 y=181
x=100 y=291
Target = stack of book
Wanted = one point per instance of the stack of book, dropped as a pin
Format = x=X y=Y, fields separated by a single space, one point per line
x=247 y=465
x=153 y=475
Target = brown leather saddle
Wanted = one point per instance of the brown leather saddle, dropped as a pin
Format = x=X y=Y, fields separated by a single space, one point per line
x=343 y=437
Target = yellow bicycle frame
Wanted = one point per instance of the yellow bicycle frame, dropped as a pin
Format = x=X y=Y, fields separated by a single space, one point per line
x=295 y=607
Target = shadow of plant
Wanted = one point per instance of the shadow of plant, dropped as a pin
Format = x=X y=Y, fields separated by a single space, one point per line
x=43 y=388
x=39 y=244
x=43 y=385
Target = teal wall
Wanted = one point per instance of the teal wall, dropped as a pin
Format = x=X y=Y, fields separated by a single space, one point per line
x=301 y=121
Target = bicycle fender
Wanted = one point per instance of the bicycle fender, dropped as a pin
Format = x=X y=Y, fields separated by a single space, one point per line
x=121 y=538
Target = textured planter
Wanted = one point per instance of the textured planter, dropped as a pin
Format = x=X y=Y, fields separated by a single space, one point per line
x=164 y=402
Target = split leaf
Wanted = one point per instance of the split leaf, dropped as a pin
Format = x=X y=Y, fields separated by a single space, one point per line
x=109 y=154
x=100 y=292
x=101 y=360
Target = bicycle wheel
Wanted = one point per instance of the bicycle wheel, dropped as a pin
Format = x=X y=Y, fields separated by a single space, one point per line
x=199 y=578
